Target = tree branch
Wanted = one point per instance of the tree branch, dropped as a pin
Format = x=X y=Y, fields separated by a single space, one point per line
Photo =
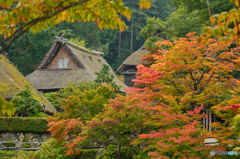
x=21 y=30
x=199 y=80
x=60 y=4
x=191 y=75
x=176 y=87
x=201 y=89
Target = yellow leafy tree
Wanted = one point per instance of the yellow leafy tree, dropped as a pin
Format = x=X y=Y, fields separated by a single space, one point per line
x=226 y=25
x=5 y=106
x=20 y=16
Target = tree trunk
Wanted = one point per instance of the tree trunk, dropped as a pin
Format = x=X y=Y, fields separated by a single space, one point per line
x=209 y=10
x=132 y=30
x=192 y=106
x=120 y=38
x=119 y=150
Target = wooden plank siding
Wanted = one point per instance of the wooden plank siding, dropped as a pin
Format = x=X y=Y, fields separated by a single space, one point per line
x=128 y=79
x=61 y=55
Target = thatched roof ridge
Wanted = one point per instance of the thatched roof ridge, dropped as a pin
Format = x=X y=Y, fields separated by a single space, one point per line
x=16 y=82
x=88 y=61
x=65 y=41
x=133 y=59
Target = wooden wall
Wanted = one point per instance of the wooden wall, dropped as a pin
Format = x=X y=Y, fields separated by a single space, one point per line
x=128 y=79
x=62 y=54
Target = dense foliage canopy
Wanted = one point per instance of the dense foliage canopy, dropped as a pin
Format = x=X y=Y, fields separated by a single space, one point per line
x=187 y=74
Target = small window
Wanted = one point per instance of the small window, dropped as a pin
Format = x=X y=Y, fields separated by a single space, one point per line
x=60 y=63
x=63 y=63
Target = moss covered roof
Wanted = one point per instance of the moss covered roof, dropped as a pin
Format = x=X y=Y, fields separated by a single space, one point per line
x=16 y=82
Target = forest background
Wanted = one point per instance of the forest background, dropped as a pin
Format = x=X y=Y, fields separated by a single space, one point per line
x=171 y=19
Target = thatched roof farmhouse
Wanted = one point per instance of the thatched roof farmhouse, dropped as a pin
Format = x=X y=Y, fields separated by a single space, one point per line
x=66 y=63
x=15 y=82
x=128 y=67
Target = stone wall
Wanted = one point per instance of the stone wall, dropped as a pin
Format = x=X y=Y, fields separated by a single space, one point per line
x=31 y=137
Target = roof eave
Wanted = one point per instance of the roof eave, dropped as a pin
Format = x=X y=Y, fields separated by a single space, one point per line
x=122 y=67
x=128 y=73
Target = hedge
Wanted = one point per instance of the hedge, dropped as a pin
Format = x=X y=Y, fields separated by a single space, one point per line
x=23 y=124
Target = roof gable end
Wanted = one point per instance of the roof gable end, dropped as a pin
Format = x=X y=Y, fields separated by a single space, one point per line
x=64 y=43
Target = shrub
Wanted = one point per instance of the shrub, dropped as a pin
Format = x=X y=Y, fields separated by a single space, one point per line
x=7 y=154
x=57 y=98
x=24 y=102
x=126 y=152
x=10 y=144
x=23 y=124
x=87 y=154
x=26 y=146
x=26 y=155
x=84 y=154
x=12 y=154
x=25 y=139
x=142 y=155
x=51 y=149
x=41 y=114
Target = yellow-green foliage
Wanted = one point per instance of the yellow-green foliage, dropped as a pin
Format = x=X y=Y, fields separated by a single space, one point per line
x=57 y=98
x=6 y=107
x=50 y=149
x=88 y=103
x=79 y=42
x=13 y=154
x=24 y=155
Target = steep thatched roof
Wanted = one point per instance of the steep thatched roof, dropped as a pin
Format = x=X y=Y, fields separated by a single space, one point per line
x=15 y=82
x=88 y=62
x=133 y=59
